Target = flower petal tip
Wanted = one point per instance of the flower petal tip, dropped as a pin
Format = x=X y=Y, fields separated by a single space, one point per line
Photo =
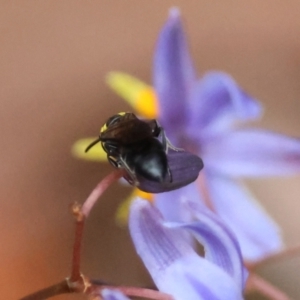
x=174 y=12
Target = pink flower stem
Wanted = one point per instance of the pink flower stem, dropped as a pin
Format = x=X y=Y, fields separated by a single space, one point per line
x=99 y=190
x=81 y=213
x=76 y=257
x=77 y=283
x=257 y=284
x=51 y=291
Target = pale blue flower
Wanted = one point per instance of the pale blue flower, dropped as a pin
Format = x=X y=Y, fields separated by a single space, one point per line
x=201 y=116
x=207 y=117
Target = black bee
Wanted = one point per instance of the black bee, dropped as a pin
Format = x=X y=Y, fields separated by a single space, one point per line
x=138 y=146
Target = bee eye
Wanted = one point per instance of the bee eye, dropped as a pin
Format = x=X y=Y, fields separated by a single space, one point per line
x=104 y=147
x=110 y=148
x=114 y=162
x=113 y=120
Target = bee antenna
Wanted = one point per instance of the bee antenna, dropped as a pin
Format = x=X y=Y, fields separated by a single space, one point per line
x=92 y=144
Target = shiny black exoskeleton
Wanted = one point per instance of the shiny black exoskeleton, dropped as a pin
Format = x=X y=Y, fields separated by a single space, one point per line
x=138 y=146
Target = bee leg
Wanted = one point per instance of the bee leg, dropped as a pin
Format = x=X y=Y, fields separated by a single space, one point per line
x=158 y=131
x=166 y=143
x=119 y=163
x=132 y=178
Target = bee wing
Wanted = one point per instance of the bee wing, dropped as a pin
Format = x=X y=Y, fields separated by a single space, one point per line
x=184 y=168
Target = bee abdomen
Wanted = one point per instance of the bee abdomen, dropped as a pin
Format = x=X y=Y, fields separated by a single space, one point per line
x=152 y=165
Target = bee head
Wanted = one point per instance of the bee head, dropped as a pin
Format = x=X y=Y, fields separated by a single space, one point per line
x=112 y=120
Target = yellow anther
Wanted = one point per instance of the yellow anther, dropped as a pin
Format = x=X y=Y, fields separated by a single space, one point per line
x=146 y=104
x=143 y=195
x=137 y=93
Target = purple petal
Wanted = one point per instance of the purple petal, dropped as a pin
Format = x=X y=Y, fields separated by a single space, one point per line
x=252 y=153
x=172 y=205
x=173 y=75
x=256 y=232
x=184 y=168
x=217 y=102
x=221 y=246
x=173 y=264
x=108 y=294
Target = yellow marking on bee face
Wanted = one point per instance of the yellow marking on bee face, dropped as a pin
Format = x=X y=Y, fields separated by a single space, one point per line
x=103 y=128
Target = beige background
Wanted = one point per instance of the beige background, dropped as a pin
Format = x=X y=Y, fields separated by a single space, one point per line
x=54 y=56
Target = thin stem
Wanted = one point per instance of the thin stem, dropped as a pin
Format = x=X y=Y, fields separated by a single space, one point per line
x=258 y=284
x=286 y=253
x=76 y=257
x=51 y=291
x=134 y=292
x=81 y=213
x=99 y=190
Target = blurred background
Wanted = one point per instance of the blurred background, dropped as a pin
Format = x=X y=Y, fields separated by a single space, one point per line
x=54 y=57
